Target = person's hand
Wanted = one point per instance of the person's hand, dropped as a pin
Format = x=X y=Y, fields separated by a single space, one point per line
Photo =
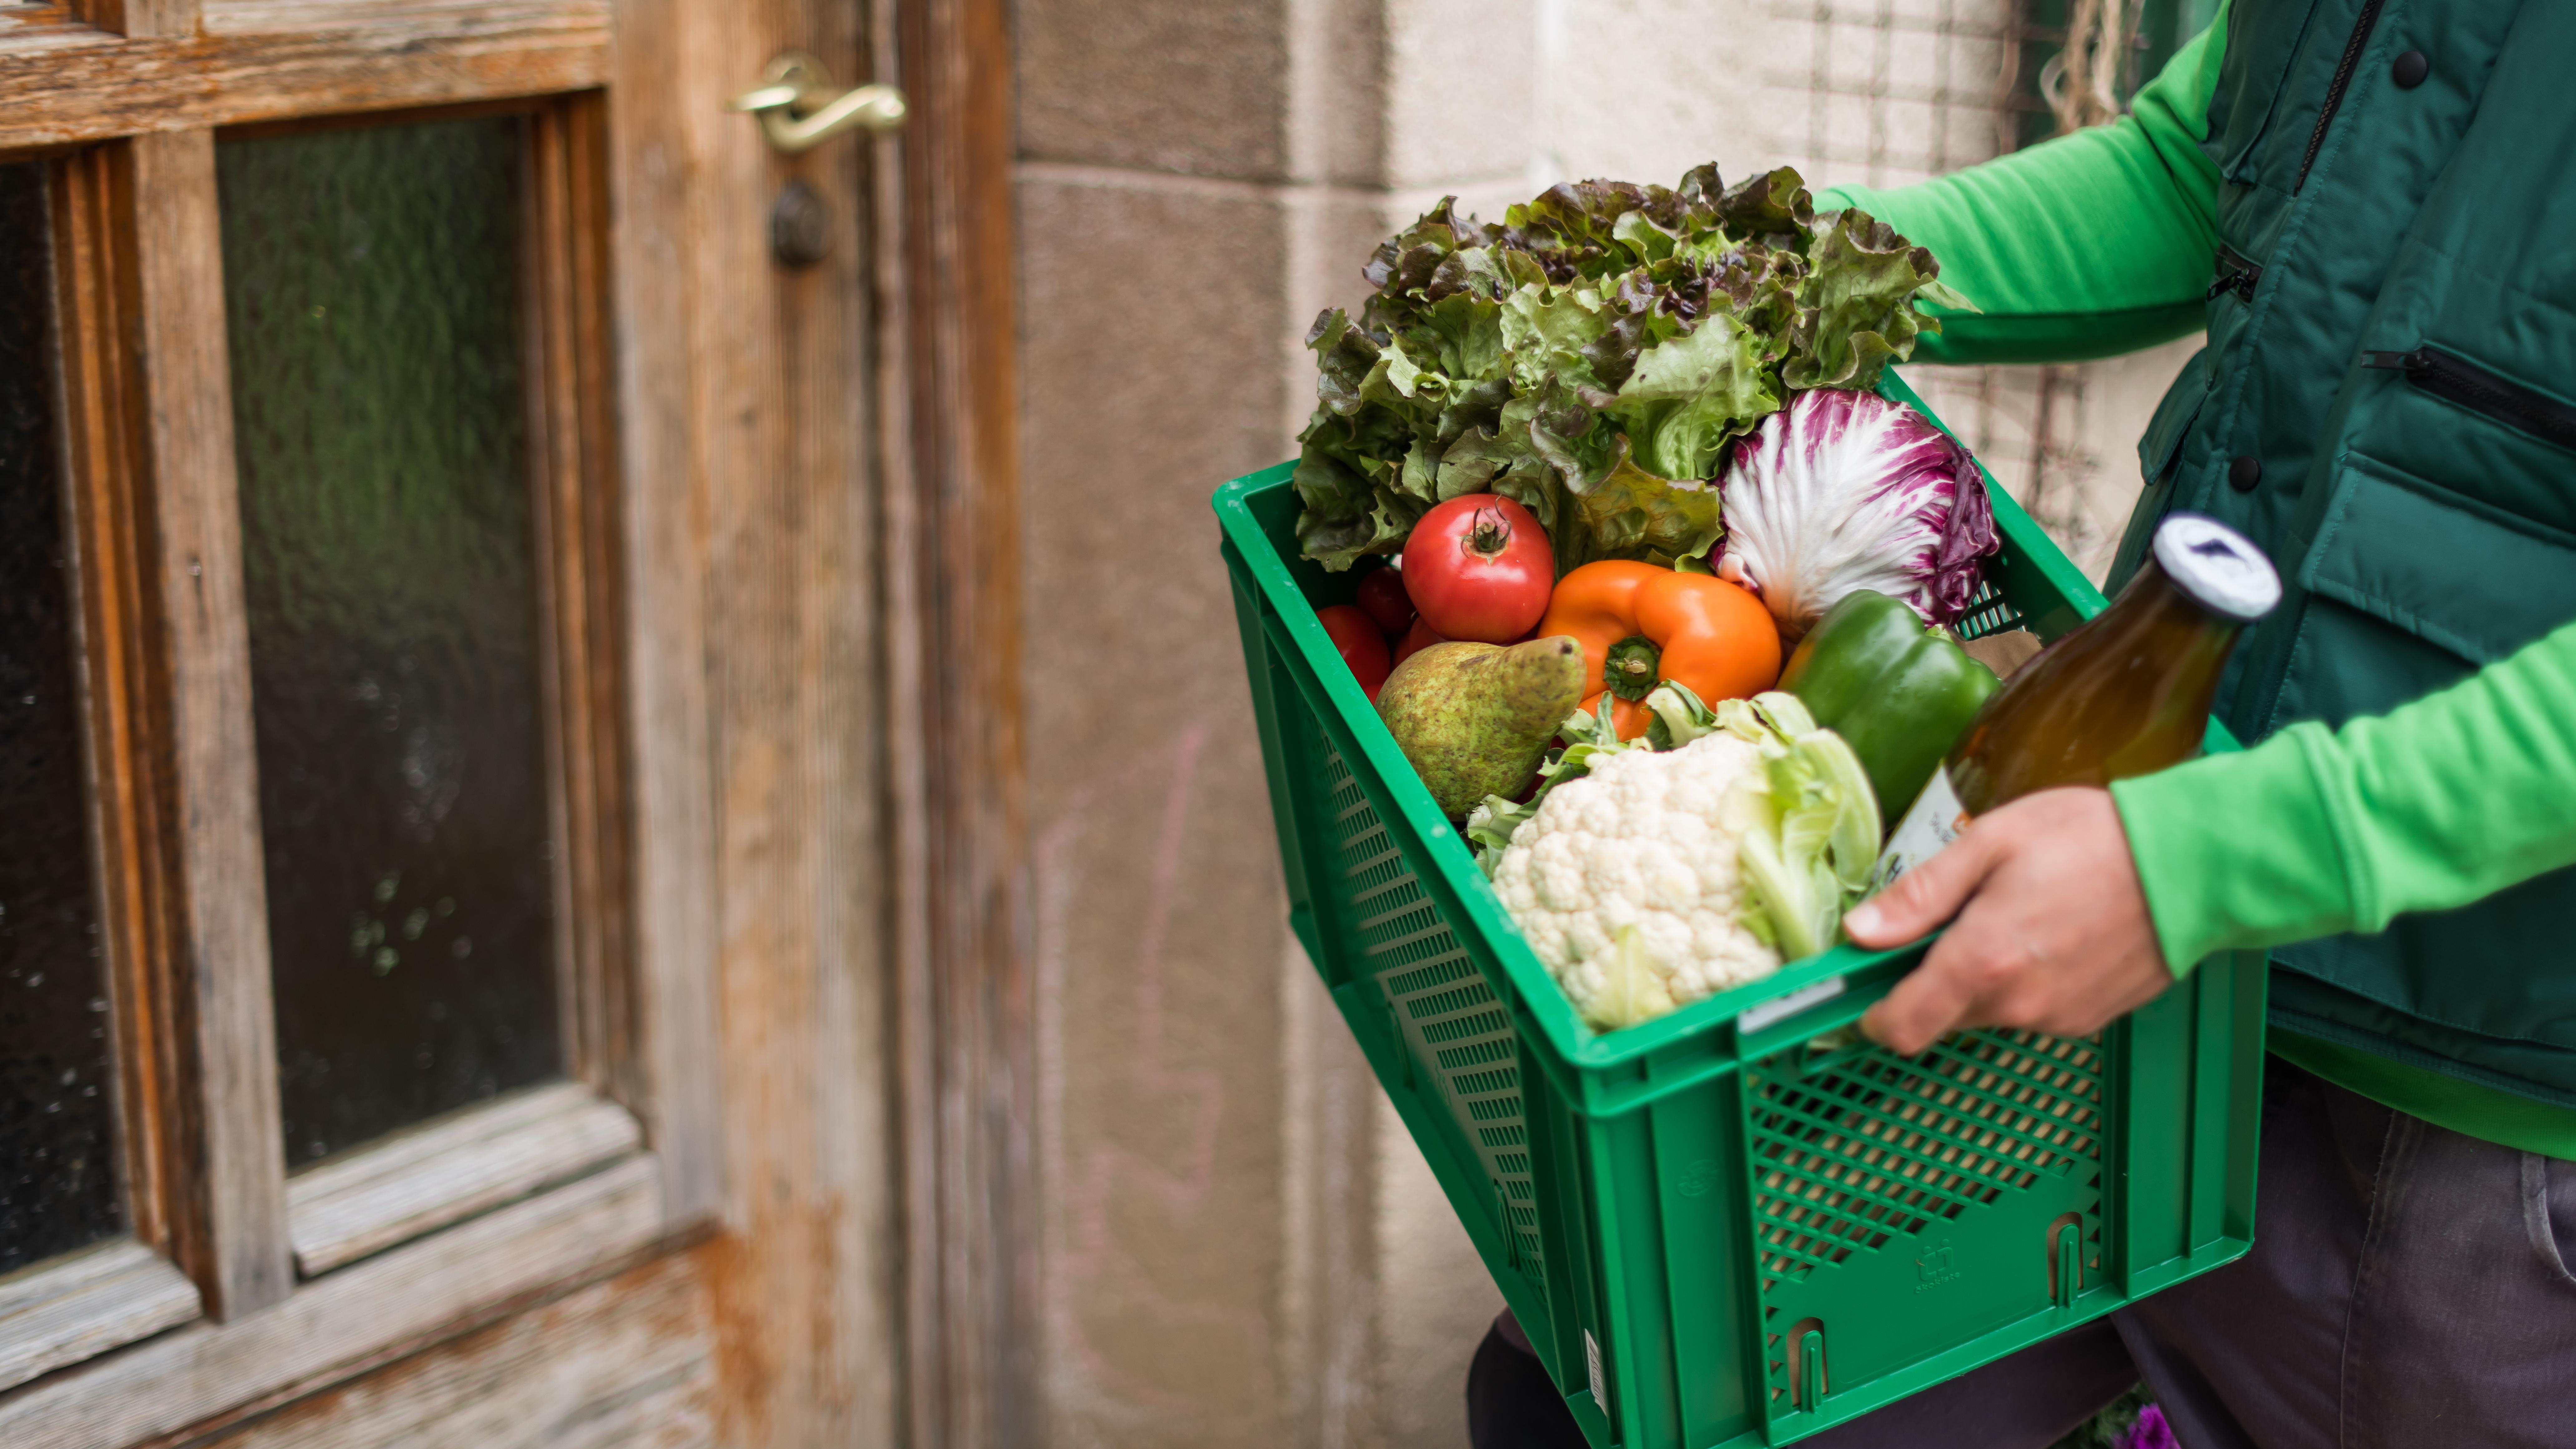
x=2052 y=931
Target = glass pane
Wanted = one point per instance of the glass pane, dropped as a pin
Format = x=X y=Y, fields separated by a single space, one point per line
x=371 y=281
x=57 y=1163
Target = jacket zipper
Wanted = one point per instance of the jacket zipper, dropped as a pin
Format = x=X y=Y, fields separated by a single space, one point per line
x=2480 y=391
x=2352 y=50
x=2235 y=274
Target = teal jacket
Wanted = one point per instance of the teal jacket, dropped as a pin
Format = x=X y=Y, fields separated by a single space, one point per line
x=2363 y=203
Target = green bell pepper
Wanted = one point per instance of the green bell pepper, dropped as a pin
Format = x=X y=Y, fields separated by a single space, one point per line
x=1899 y=692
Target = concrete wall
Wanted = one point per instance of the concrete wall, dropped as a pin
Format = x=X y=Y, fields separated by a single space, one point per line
x=1241 y=1247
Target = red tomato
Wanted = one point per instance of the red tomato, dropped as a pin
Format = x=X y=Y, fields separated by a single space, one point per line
x=1415 y=640
x=1363 y=648
x=1383 y=599
x=1478 y=567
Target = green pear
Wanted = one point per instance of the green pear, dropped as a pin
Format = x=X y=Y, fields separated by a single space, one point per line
x=1476 y=719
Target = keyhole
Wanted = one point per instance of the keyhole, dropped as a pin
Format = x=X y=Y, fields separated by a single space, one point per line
x=800 y=228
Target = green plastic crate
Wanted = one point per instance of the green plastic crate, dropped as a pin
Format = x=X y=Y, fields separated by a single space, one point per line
x=1715 y=1233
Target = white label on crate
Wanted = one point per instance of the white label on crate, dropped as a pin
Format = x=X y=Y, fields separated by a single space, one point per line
x=1935 y=821
x=1780 y=1008
x=1592 y=1361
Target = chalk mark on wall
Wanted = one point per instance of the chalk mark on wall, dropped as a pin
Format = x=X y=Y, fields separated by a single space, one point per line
x=1084 y=1250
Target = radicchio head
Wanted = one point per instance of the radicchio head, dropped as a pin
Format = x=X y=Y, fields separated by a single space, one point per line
x=1844 y=490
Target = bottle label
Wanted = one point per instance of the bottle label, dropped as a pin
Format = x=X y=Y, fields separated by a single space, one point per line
x=1935 y=821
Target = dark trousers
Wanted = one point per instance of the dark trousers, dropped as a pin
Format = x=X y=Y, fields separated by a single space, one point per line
x=2409 y=1288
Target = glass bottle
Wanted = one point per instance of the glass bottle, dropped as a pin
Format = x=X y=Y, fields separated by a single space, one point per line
x=2126 y=694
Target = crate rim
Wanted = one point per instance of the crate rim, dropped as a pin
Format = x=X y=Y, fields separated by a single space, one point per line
x=1572 y=1042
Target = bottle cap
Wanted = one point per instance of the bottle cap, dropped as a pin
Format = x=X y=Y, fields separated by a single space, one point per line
x=2216 y=567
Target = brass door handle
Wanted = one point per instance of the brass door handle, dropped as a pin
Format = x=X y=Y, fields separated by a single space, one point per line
x=799 y=108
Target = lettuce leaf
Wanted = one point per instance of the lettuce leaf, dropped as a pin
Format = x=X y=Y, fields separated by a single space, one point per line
x=1592 y=356
x=1772 y=207
x=1630 y=513
x=1687 y=397
x=1856 y=308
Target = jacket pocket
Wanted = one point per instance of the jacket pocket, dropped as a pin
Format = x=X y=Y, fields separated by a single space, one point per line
x=2442 y=568
x=2455 y=379
x=2408 y=588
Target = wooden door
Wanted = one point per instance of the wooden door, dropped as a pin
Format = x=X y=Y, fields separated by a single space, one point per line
x=505 y=934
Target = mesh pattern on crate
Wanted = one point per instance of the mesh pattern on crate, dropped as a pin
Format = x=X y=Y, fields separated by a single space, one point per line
x=1987 y=613
x=1449 y=1020
x=1881 y=1147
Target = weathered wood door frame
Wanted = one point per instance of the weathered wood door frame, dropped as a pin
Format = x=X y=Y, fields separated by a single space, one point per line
x=966 y=1026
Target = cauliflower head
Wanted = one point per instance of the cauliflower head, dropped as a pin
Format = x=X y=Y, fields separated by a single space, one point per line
x=1637 y=864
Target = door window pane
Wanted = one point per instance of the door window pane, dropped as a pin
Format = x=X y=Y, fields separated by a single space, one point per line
x=57 y=1166
x=371 y=290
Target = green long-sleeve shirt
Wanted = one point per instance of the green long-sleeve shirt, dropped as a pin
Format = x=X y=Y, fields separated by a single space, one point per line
x=2100 y=243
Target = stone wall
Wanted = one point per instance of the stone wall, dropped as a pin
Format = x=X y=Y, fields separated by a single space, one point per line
x=1241 y=1247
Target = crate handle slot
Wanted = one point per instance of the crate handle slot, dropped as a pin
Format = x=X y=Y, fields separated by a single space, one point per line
x=2065 y=1259
x=1807 y=1364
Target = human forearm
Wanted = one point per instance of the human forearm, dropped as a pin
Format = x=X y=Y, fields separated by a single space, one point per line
x=2086 y=246
x=2439 y=803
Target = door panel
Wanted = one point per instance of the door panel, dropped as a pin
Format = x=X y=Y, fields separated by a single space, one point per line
x=629 y=1363
x=661 y=609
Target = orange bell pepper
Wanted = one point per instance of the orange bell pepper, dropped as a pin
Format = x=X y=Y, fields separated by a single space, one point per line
x=1640 y=625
